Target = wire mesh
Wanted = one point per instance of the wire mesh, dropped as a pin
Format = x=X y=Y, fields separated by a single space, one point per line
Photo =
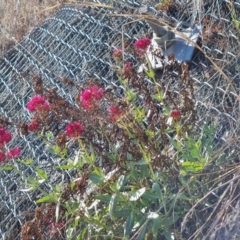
x=76 y=43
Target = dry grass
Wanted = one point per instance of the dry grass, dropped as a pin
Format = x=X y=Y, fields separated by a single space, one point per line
x=18 y=17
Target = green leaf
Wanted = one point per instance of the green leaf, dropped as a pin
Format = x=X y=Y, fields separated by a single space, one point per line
x=121 y=182
x=170 y=220
x=143 y=231
x=157 y=189
x=192 y=166
x=139 y=163
x=150 y=133
x=156 y=226
x=176 y=144
x=104 y=198
x=59 y=151
x=26 y=162
x=167 y=234
x=131 y=95
x=65 y=167
x=96 y=177
x=7 y=168
x=150 y=196
x=112 y=205
x=136 y=195
x=122 y=212
x=145 y=172
x=183 y=197
x=72 y=185
x=48 y=135
x=42 y=174
x=51 y=198
x=150 y=74
x=158 y=97
x=128 y=225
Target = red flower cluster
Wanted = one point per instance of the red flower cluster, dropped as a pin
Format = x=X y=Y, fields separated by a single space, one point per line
x=5 y=136
x=90 y=95
x=115 y=113
x=176 y=114
x=117 y=54
x=74 y=130
x=38 y=103
x=142 y=43
x=33 y=126
x=14 y=153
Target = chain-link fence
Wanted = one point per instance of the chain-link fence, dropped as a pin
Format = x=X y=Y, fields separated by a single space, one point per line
x=76 y=43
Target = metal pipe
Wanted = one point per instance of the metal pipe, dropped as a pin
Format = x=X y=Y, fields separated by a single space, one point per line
x=161 y=35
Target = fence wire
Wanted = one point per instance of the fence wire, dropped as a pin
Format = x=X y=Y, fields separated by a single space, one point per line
x=76 y=43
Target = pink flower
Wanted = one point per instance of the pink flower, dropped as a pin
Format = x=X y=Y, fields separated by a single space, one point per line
x=14 y=153
x=117 y=54
x=5 y=136
x=2 y=157
x=142 y=43
x=176 y=114
x=90 y=95
x=38 y=103
x=115 y=113
x=33 y=126
x=74 y=130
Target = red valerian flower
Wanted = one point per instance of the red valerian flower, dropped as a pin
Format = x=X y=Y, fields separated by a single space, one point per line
x=90 y=95
x=74 y=130
x=2 y=157
x=117 y=54
x=176 y=114
x=14 y=153
x=142 y=43
x=38 y=103
x=33 y=126
x=115 y=113
x=5 y=136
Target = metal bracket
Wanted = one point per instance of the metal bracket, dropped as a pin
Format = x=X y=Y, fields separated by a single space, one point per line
x=168 y=42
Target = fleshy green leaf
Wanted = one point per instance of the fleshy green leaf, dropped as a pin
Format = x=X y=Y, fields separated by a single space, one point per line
x=95 y=177
x=51 y=198
x=150 y=196
x=136 y=195
x=26 y=162
x=104 y=198
x=143 y=231
x=121 y=182
x=156 y=225
x=139 y=163
x=145 y=172
x=42 y=174
x=157 y=189
x=7 y=168
x=112 y=205
x=128 y=225
x=66 y=167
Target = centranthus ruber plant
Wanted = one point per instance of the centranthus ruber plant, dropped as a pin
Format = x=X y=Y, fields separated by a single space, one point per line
x=130 y=155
